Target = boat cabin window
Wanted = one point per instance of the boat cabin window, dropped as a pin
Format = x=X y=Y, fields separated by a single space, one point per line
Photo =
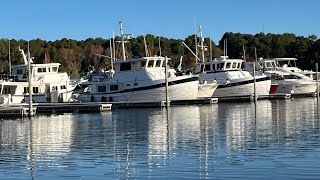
x=228 y=65
x=7 y=90
x=143 y=63
x=208 y=67
x=234 y=65
x=213 y=67
x=54 y=88
x=114 y=87
x=220 y=66
x=19 y=71
x=25 y=89
x=158 y=63
x=54 y=69
x=63 y=87
x=42 y=70
x=102 y=88
x=239 y=65
x=269 y=64
x=125 y=66
x=150 y=63
x=35 y=90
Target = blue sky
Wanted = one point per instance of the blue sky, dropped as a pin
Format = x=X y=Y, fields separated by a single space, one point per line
x=80 y=19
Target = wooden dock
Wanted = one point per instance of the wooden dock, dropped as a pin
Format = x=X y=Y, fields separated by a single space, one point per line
x=15 y=111
x=156 y=104
x=275 y=96
x=61 y=108
x=22 y=110
x=244 y=98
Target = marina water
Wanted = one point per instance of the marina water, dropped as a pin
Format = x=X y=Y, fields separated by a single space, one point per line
x=277 y=139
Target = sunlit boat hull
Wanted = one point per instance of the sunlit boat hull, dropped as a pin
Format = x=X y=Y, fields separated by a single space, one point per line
x=178 y=89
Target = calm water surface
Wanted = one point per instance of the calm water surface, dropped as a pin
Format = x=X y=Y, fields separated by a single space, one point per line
x=280 y=140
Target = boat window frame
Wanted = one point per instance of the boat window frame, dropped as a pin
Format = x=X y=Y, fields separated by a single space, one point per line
x=239 y=65
x=143 y=64
x=54 y=69
x=208 y=67
x=63 y=87
x=158 y=64
x=220 y=66
x=125 y=66
x=101 y=89
x=19 y=71
x=35 y=90
x=42 y=70
x=234 y=65
x=149 y=64
x=114 y=87
x=228 y=65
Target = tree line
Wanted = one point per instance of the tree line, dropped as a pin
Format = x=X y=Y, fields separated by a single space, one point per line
x=79 y=56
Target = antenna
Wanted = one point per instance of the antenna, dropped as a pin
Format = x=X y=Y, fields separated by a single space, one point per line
x=9 y=59
x=123 y=38
x=210 y=49
x=159 y=46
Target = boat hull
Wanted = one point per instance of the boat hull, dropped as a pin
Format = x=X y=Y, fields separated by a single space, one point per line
x=154 y=92
x=295 y=87
x=206 y=90
x=244 y=87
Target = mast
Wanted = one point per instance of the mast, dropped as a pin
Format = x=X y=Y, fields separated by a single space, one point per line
x=122 y=41
x=226 y=46
x=210 y=49
x=29 y=83
x=124 y=37
x=114 y=45
x=244 y=53
x=111 y=54
x=159 y=46
x=145 y=46
x=201 y=44
x=195 y=38
x=9 y=59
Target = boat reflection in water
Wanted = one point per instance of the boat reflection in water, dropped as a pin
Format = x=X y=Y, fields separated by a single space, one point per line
x=225 y=140
x=42 y=142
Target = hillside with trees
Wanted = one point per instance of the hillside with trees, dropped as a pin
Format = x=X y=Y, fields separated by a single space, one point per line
x=77 y=57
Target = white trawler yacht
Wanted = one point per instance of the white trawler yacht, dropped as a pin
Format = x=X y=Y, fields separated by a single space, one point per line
x=286 y=80
x=47 y=83
x=290 y=64
x=139 y=79
x=232 y=79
